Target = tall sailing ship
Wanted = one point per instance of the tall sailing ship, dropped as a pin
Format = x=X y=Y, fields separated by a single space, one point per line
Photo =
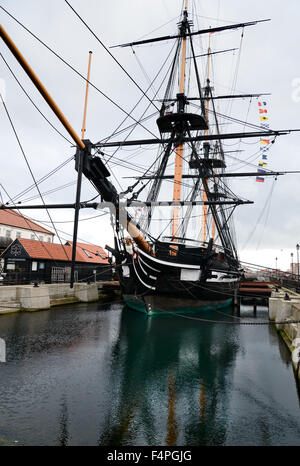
x=175 y=272
x=192 y=262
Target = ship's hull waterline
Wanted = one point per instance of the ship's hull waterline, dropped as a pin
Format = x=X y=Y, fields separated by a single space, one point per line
x=165 y=305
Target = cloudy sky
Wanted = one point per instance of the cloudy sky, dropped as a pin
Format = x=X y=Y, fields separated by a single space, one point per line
x=267 y=62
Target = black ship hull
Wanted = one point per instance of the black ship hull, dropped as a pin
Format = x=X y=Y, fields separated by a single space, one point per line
x=152 y=285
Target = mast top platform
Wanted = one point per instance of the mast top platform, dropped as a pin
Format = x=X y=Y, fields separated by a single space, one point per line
x=181 y=121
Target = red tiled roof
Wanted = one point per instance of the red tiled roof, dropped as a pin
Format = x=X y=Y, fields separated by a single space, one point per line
x=93 y=250
x=13 y=219
x=43 y=250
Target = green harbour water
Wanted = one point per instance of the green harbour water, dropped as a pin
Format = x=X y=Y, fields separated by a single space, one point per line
x=102 y=374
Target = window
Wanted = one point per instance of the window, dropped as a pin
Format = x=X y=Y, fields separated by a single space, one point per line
x=32 y=237
x=41 y=238
x=49 y=239
x=18 y=234
x=34 y=266
x=99 y=253
x=42 y=265
x=87 y=253
x=11 y=266
x=8 y=233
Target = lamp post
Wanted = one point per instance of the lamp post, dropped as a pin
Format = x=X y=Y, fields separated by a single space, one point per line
x=292 y=264
x=276 y=266
x=297 y=247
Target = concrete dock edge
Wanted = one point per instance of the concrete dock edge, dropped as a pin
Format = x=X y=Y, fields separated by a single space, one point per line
x=284 y=310
x=16 y=298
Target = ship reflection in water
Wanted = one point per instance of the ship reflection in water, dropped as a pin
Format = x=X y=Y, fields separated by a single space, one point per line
x=85 y=375
x=172 y=378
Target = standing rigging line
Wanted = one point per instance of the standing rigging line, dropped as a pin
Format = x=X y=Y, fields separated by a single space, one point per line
x=79 y=143
x=268 y=200
x=182 y=229
x=30 y=170
x=138 y=168
x=197 y=73
x=231 y=119
x=233 y=87
x=267 y=213
x=48 y=121
x=141 y=117
x=225 y=188
x=76 y=71
x=108 y=51
x=159 y=27
x=41 y=180
x=51 y=191
x=244 y=162
x=44 y=222
x=134 y=126
x=147 y=77
x=27 y=220
x=246 y=120
x=39 y=85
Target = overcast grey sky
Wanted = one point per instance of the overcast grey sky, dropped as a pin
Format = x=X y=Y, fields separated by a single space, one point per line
x=269 y=63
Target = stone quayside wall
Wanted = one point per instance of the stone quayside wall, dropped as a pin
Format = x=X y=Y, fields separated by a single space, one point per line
x=29 y=298
x=280 y=310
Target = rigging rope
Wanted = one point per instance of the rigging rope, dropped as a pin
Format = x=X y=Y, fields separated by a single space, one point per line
x=30 y=170
x=30 y=99
x=30 y=228
x=141 y=117
x=267 y=213
x=41 y=180
x=268 y=200
x=211 y=321
x=111 y=55
x=51 y=191
x=76 y=71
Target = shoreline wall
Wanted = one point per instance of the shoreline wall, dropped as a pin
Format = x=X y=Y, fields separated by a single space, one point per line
x=287 y=310
x=16 y=298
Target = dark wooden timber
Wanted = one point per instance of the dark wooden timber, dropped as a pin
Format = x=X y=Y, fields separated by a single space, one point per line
x=217 y=97
x=201 y=31
x=215 y=175
x=210 y=137
x=256 y=289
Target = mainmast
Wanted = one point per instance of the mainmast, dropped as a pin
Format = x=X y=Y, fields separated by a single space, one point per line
x=180 y=148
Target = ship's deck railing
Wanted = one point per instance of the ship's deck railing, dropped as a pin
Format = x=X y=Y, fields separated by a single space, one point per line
x=188 y=251
x=192 y=243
